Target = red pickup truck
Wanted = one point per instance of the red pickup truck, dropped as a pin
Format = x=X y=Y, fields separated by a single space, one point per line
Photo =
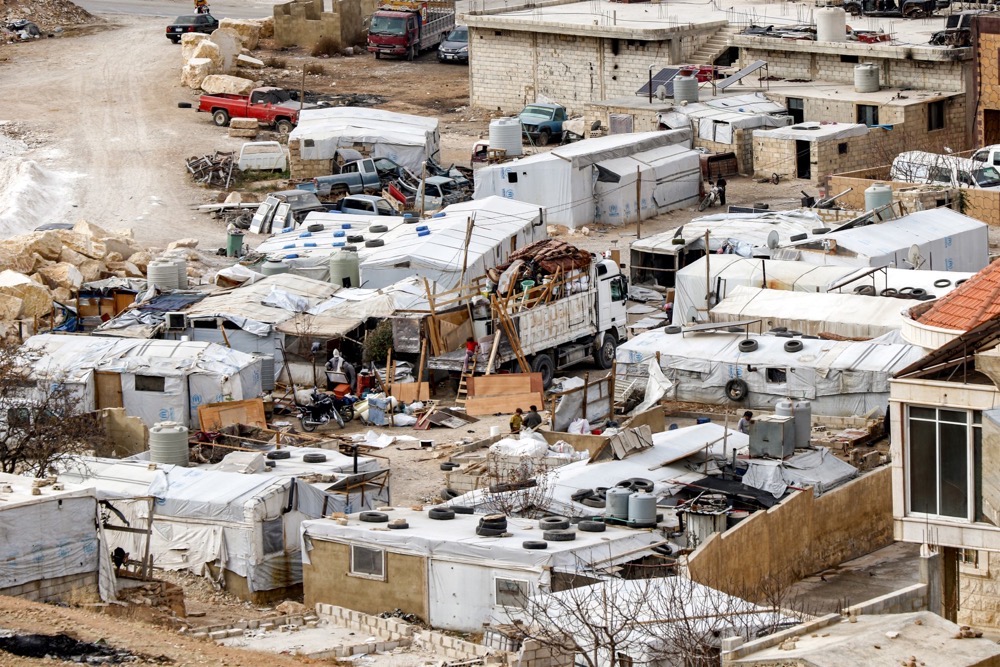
x=273 y=107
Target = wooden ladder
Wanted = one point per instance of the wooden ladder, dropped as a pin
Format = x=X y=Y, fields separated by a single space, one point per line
x=463 y=385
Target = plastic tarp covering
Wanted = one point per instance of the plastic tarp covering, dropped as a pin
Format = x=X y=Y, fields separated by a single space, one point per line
x=403 y=138
x=946 y=239
x=670 y=178
x=563 y=180
x=657 y=386
x=441 y=253
x=247 y=306
x=296 y=246
x=716 y=120
x=570 y=406
x=813 y=131
x=48 y=536
x=842 y=378
x=817 y=468
x=851 y=315
x=726 y=272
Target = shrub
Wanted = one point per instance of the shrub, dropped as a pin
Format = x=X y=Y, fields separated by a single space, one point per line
x=326 y=46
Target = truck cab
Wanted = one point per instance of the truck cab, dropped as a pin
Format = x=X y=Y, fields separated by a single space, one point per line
x=989 y=155
x=612 y=296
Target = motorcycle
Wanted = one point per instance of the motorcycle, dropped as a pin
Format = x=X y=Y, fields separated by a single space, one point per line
x=711 y=199
x=324 y=409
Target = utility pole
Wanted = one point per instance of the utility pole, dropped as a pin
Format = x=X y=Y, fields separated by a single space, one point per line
x=638 y=203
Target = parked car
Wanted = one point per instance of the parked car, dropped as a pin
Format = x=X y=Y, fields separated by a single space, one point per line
x=205 y=23
x=283 y=209
x=368 y=174
x=543 y=123
x=455 y=47
x=273 y=107
x=988 y=154
x=935 y=169
x=364 y=205
x=910 y=9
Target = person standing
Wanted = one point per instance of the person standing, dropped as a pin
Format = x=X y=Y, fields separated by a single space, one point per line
x=743 y=426
x=516 y=420
x=471 y=348
x=721 y=184
x=532 y=420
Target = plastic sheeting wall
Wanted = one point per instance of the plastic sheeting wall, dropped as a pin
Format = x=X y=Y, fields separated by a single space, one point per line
x=462 y=596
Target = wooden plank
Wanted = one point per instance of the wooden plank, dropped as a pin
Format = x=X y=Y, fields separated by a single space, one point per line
x=498 y=385
x=214 y=416
x=491 y=405
x=408 y=392
x=108 y=389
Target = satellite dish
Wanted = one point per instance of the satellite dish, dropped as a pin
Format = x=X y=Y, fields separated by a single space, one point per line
x=595 y=126
x=914 y=258
x=660 y=92
x=773 y=239
x=680 y=230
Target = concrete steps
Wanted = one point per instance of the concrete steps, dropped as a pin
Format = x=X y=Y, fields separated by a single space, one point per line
x=714 y=47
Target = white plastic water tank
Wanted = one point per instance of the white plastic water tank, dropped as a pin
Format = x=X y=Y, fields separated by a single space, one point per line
x=162 y=274
x=685 y=89
x=642 y=509
x=616 y=501
x=866 y=79
x=267 y=372
x=168 y=443
x=784 y=408
x=803 y=423
x=831 y=24
x=877 y=195
x=273 y=266
x=505 y=133
x=181 y=265
x=345 y=269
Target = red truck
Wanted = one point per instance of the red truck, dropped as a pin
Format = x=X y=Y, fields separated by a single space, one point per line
x=407 y=28
x=273 y=107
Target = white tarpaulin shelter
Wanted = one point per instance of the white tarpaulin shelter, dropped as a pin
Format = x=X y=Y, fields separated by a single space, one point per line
x=850 y=315
x=594 y=179
x=946 y=241
x=841 y=378
x=464 y=240
x=462 y=568
x=405 y=139
x=247 y=524
x=51 y=536
x=715 y=120
x=727 y=272
x=817 y=468
x=155 y=380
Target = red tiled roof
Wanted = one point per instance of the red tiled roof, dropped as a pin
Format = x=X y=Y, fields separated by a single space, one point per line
x=970 y=304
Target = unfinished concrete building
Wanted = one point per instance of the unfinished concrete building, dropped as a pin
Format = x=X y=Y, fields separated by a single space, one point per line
x=304 y=22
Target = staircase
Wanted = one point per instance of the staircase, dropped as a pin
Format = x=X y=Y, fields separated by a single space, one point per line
x=714 y=47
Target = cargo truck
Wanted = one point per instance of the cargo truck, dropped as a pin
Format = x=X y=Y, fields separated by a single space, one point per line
x=404 y=29
x=584 y=321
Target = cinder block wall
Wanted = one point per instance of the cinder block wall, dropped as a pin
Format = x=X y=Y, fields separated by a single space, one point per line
x=300 y=168
x=57 y=589
x=304 y=22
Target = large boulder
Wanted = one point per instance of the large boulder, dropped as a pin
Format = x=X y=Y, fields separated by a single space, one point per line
x=35 y=298
x=62 y=275
x=90 y=269
x=189 y=42
x=217 y=84
x=230 y=45
x=10 y=307
x=195 y=72
x=248 y=62
x=121 y=246
x=45 y=244
x=83 y=243
x=141 y=260
x=92 y=230
x=266 y=27
x=15 y=261
x=248 y=30
x=210 y=50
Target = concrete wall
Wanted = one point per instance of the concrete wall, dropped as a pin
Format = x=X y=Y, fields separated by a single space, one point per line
x=304 y=22
x=510 y=68
x=327 y=580
x=300 y=168
x=986 y=42
x=800 y=536
x=70 y=588
x=905 y=600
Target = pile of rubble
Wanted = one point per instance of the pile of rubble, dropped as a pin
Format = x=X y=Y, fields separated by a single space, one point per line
x=48 y=15
x=215 y=169
x=210 y=61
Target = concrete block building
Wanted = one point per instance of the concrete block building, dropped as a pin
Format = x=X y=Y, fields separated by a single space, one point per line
x=304 y=22
x=986 y=78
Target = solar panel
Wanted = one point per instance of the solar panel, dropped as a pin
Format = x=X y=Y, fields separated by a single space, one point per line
x=749 y=69
x=662 y=78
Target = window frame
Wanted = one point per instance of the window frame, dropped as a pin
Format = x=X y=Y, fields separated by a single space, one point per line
x=862 y=116
x=352 y=572
x=523 y=586
x=973 y=462
x=936 y=116
x=264 y=536
x=162 y=383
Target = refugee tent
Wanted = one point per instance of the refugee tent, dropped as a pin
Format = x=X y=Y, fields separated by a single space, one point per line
x=725 y=273
x=945 y=240
x=464 y=241
x=405 y=139
x=841 y=378
x=718 y=119
x=572 y=182
x=241 y=529
x=155 y=380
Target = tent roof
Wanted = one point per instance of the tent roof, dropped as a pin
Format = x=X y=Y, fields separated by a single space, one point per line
x=739 y=109
x=583 y=153
x=20 y=494
x=892 y=236
x=337 y=227
x=752 y=228
x=365 y=125
x=246 y=301
x=813 y=131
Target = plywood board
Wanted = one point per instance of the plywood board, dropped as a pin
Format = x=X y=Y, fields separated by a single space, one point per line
x=108 y=388
x=500 y=385
x=491 y=405
x=412 y=391
x=215 y=416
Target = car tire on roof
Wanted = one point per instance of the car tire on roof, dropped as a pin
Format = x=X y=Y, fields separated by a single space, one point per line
x=591 y=526
x=535 y=544
x=373 y=517
x=441 y=513
x=561 y=535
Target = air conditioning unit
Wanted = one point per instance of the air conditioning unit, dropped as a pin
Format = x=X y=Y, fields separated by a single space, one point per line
x=176 y=321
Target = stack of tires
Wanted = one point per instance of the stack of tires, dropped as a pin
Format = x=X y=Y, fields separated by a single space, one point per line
x=492 y=525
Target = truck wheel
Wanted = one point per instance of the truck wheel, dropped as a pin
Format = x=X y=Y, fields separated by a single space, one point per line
x=542 y=363
x=604 y=357
x=221 y=117
x=284 y=126
x=544 y=137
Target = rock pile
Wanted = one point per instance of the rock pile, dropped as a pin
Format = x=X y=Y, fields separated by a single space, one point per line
x=47 y=14
x=210 y=61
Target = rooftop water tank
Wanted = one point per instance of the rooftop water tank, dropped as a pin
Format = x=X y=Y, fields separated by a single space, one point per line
x=274 y=266
x=163 y=275
x=505 y=133
x=784 y=408
x=267 y=372
x=641 y=509
x=877 y=195
x=168 y=443
x=803 y=423
x=866 y=78
x=616 y=502
x=344 y=269
x=831 y=24
x=685 y=89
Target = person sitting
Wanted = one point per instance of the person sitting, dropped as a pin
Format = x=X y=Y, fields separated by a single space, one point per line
x=532 y=420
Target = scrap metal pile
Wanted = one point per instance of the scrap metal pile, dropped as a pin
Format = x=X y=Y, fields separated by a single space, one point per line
x=535 y=263
x=216 y=169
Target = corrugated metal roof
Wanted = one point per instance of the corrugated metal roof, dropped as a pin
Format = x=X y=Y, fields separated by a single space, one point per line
x=970 y=304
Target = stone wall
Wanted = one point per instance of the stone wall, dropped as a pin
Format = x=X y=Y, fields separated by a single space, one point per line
x=979 y=591
x=510 y=68
x=299 y=168
x=304 y=22
x=69 y=588
x=987 y=74
x=800 y=536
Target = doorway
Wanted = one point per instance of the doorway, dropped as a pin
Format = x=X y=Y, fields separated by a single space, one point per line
x=991 y=127
x=108 y=389
x=796 y=109
x=802 y=154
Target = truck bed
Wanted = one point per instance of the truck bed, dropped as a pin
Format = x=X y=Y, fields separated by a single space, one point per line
x=455 y=360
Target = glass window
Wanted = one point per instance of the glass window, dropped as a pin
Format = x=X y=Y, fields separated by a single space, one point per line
x=367 y=562
x=617 y=289
x=944 y=461
x=935 y=116
x=274 y=536
x=511 y=592
x=386 y=25
x=868 y=114
x=149 y=383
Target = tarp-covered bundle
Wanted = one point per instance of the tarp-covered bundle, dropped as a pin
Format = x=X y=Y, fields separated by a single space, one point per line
x=841 y=378
x=594 y=180
x=715 y=120
x=405 y=139
x=155 y=380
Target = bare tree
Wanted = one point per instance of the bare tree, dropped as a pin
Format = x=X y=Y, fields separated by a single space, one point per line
x=40 y=421
x=517 y=486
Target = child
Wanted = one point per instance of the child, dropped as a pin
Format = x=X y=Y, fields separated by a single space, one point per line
x=471 y=348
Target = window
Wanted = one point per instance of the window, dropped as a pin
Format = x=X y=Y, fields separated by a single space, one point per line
x=512 y=177
x=935 y=116
x=618 y=291
x=971 y=561
x=368 y=563
x=511 y=592
x=274 y=536
x=944 y=461
x=776 y=375
x=849 y=59
x=18 y=417
x=868 y=114
x=149 y=383
x=842 y=148
x=939 y=175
